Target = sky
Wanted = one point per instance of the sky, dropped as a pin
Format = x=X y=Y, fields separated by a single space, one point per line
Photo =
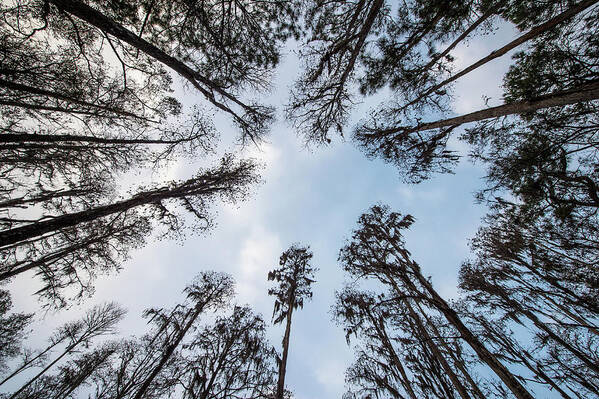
x=313 y=197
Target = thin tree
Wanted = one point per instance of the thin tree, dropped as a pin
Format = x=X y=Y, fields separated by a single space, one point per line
x=376 y=250
x=98 y=321
x=294 y=278
x=209 y=291
x=229 y=358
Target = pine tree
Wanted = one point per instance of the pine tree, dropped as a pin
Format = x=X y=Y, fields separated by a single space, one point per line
x=294 y=278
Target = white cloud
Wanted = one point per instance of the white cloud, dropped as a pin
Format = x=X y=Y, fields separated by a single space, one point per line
x=257 y=256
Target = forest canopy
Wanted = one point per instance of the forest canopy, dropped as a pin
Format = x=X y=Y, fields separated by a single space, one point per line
x=111 y=118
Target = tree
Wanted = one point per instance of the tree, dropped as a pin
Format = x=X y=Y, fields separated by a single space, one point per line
x=253 y=121
x=13 y=329
x=98 y=321
x=72 y=376
x=294 y=278
x=536 y=275
x=230 y=358
x=94 y=239
x=376 y=250
x=398 y=135
x=209 y=291
x=339 y=30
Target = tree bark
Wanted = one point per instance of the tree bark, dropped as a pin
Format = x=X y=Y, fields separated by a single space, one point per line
x=67 y=138
x=283 y=365
x=197 y=186
x=483 y=353
x=587 y=92
x=38 y=375
x=433 y=346
x=169 y=352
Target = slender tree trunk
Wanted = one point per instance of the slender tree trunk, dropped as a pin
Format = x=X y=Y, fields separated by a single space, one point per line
x=45 y=196
x=43 y=92
x=283 y=364
x=168 y=353
x=458 y=362
x=9 y=138
x=25 y=365
x=104 y=23
x=433 y=347
x=209 y=184
x=531 y=34
x=52 y=257
x=489 y=13
x=393 y=354
x=442 y=306
x=38 y=375
x=586 y=92
x=543 y=327
x=483 y=353
x=82 y=377
x=18 y=234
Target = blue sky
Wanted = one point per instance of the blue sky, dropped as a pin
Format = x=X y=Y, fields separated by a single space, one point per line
x=313 y=197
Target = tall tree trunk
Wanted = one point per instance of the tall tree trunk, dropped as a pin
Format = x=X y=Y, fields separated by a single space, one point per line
x=442 y=306
x=283 y=364
x=210 y=183
x=44 y=260
x=489 y=13
x=531 y=34
x=555 y=337
x=458 y=362
x=168 y=352
x=43 y=92
x=462 y=391
x=380 y=327
x=52 y=363
x=106 y=24
x=26 y=364
x=586 y=92
x=483 y=353
x=67 y=138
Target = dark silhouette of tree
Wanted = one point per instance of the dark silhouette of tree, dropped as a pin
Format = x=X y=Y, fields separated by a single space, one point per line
x=537 y=275
x=184 y=53
x=562 y=78
x=230 y=358
x=338 y=33
x=13 y=329
x=139 y=379
x=69 y=249
x=98 y=321
x=294 y=278
x=72 y=376
x=376 y=250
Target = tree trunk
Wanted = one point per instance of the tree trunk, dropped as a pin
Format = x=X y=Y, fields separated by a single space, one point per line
x=586 y=92
x=502 y=372
x=460 y=38
x=394 y=357
x=105 y=24
x=25 y=365
x=43 y=92
x=65 y=138
x=531 y=34
x=283 y=364
x=32 y=380
x=458 y=362
x=53 y=256
x=210 y=183
x=433 y=346
x=168 y=353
